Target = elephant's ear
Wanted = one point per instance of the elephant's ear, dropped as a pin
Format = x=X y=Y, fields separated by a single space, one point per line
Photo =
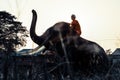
x=70 y=32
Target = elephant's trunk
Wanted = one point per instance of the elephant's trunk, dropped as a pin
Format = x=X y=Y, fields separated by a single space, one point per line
x=37 y=39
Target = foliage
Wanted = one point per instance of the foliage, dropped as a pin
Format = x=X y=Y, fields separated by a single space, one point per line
x=12 y=33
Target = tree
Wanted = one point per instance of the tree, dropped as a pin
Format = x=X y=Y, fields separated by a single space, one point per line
x=12 y=36
x=12 y=33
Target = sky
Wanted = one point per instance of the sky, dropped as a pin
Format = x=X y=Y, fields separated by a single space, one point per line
x=99 y=19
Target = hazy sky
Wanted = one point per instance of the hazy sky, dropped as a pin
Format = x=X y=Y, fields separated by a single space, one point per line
x=99 y=19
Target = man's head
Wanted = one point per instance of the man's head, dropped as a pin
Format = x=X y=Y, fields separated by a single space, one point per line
x=73 y=17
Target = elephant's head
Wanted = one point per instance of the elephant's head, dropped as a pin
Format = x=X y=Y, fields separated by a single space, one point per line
x=53 y=34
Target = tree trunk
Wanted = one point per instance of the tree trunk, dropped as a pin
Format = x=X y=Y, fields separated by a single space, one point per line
x=7 y=61
x=5 y=70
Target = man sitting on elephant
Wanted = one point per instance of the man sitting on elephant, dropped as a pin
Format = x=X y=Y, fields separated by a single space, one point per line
x=75 y=25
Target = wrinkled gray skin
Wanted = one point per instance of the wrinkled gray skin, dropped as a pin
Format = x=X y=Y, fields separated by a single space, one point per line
x=84 y=55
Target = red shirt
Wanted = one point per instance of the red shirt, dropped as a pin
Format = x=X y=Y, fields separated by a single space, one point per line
x=76 y=26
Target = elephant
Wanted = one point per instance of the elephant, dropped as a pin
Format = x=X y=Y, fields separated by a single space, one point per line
x=84 y=55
